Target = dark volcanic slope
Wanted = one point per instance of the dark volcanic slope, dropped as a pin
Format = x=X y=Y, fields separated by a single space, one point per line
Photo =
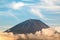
x=29 y=26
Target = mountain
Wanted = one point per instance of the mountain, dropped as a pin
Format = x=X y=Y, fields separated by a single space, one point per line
x=28 y=26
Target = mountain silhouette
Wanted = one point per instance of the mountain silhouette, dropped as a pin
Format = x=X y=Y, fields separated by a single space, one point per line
x=28 y=26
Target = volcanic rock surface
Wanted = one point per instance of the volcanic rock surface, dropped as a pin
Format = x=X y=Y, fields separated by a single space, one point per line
x=28 y=26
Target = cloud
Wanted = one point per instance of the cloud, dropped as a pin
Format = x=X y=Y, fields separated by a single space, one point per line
x=14 y=16
x=38 y=13
x=9 y=13
x=48 y=5
x=0 y=26
x=51 y=7
x=48 y=34
x=49 y=2
x=16 y=5
x=28 y=0
x=57 y=28
x=3 y=28
x=57 y=12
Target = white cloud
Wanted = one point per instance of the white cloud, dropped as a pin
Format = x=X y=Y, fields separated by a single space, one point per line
x=53 y=8
x=9 y=13
x=28 y=0
x=49 y=2
x=57 y=28
x=38 y=13
x=49 y=5
x=57 y=12
x=48 y=31
x=0 y=26
x=3 y=28
x=14 y=16
x=16 y=5
x=48 y=34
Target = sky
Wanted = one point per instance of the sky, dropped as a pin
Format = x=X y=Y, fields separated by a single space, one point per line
x=13 y=12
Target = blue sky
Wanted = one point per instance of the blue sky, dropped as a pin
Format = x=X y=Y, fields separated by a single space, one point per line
x=13 y=12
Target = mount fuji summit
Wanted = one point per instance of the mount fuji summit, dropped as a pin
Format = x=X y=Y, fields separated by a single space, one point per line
x=28 y=26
